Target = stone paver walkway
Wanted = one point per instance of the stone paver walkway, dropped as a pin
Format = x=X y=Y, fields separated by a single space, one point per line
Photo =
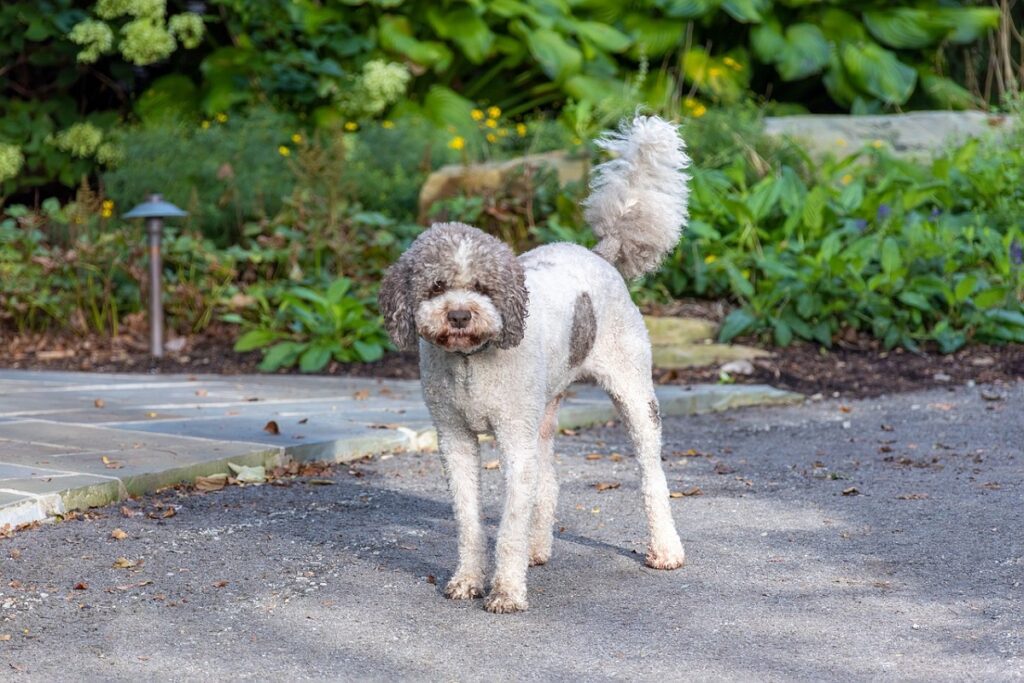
x=76 y=440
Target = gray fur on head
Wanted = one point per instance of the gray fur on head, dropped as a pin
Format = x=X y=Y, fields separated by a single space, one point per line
x=456 y=262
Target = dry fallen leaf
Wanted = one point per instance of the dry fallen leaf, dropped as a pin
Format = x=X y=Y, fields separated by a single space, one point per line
x=492 y=465
x=5 y=637
x=303 y=420
x=615 y=457
x=99 y=403
x=14 y=553
x=215 y=482
x=941 y=406
x=129 y=586
x=607 y=485
x=852 y=491
x=912 y=496
x=888 y=428
x=593 y=456
x=272 y=428
x=321 y=482
x=201 y=392
x=127 y=511
x=569 y=432
x=119 y=534
x=722 y=468
x=249 y=475
x=81 y=586
x=220 y=584
x=111 y=464
x=431 y=579
x=361 y=395
x=692 y=491
x=845 y=409
x=124 y=563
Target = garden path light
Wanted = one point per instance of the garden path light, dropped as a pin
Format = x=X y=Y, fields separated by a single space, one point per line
x=155 y=210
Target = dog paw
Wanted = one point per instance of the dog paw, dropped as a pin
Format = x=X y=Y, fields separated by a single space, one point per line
x=539 y=557
x=666 y=558
x=503 y=603
x=464 y=588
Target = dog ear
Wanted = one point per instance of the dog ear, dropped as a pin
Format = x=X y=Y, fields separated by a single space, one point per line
x=512 y=302
x=396 y=305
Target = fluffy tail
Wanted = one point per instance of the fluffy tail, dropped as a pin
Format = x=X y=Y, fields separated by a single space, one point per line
x=637 y=202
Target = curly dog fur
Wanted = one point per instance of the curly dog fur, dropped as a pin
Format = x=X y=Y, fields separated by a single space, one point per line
x=501 y=339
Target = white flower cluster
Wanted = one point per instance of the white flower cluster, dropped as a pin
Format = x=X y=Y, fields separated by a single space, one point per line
x=11 y=161
x=111 y=9
x=188 y=27
x=147 y=38
x=80 y=140
x=382 y=83
x=95 y=37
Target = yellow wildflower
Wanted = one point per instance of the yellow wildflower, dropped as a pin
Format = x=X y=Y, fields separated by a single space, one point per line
x=284 y=151
x=221 y=118
x=477 y=115
x=840 y=142
x=387 y=124
x=699 y=110
x=877 y=144
x=106 y=214
x=204 y=125
x=846 y=179
x=521 y=130
x=710 y=258
x=108 y=205
x=494 y=112
x=491 y=123
x=732 y=63
x=351 y=126
x=296 y=138
x=714 y=72
x=491 y=137
x=457 y=142
x=502 y=132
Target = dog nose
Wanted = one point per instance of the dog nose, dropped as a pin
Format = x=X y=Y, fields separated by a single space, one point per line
x=459 y=319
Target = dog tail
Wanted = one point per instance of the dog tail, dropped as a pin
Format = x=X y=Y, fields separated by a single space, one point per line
x=637 y=203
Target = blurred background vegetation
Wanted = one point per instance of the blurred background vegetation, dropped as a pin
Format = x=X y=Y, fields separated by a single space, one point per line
x=298 y=133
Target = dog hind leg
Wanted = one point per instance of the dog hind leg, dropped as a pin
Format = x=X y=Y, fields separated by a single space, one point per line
x=547 y=488
x=630 y=386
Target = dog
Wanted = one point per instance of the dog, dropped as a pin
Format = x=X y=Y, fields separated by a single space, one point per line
x=501 y=339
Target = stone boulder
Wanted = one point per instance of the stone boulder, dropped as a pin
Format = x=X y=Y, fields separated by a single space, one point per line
x=473 y=179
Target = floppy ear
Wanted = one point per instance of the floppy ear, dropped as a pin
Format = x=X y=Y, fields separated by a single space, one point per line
x=512 y=300
x=396 y=305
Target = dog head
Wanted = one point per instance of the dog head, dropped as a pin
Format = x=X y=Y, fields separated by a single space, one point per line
x=458 y=288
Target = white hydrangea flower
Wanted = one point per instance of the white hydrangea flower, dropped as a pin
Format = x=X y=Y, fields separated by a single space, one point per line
x=96 y=38
x=81 y=139
x=383 y=83
x=145 y=41
x=188 y=28
x=11 y=161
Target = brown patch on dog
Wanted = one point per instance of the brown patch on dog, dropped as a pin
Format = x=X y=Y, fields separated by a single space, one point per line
x=549 y=425
x=584 y=330
x=655 y=409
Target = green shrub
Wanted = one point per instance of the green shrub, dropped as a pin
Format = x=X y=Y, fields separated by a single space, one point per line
x=907 y=251
x=302 y=325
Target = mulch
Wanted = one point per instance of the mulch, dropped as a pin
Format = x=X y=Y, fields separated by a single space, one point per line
x=855 y=368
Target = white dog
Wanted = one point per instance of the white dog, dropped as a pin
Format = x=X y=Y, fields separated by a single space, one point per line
x=501 y=339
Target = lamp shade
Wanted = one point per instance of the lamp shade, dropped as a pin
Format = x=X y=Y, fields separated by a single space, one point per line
x=155 y=207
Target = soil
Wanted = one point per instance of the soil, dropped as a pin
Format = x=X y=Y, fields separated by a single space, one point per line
x=855 y=367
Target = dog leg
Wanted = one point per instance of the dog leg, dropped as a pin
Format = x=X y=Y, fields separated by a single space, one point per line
x=547 y=488
x=633 y=394
x=519 y=464
x=461 y=452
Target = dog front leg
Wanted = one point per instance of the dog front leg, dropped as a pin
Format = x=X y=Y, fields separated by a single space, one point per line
x=461 y=452
x=519 y=464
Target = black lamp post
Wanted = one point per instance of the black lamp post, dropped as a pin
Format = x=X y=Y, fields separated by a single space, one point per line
x=155 y=210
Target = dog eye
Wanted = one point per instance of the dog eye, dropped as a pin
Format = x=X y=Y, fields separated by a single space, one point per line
x=480 y=289
x=437 y=288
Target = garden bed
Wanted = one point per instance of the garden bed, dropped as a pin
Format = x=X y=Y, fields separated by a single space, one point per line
x=856 y=367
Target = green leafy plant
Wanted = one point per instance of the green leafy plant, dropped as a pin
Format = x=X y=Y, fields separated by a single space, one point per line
x=905 y=250
x=301 y=325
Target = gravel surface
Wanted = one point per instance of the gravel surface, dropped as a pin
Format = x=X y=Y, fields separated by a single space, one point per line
x=861 y=540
